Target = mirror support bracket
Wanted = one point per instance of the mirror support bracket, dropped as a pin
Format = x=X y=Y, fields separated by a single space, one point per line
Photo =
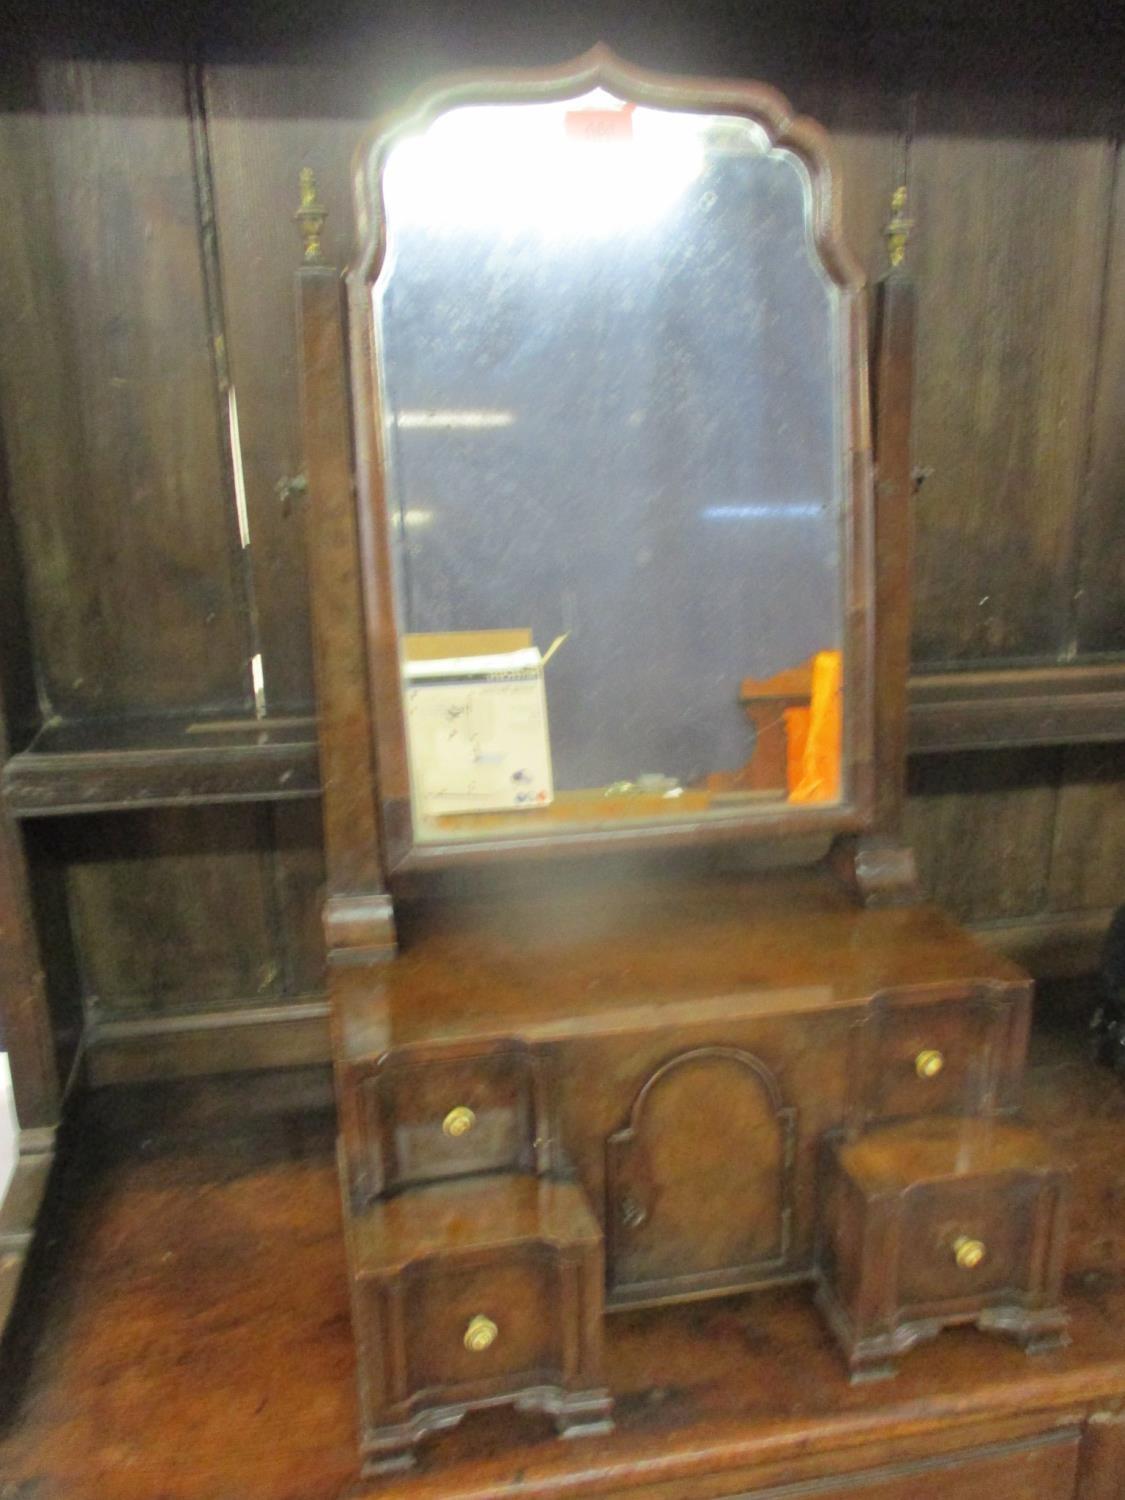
x=878 y=865
x=358 y=914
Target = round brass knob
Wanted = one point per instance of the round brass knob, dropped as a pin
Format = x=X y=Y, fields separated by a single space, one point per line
x=968 y=1253
x=929 y=1063
x=459 y=1121
x=480 y=1334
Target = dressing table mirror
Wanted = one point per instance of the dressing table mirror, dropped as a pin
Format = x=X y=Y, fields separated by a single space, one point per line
x=622 y=443
x=601 y=568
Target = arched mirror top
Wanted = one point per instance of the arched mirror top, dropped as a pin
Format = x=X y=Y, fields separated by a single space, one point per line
x=612 y=433
x=600 y=70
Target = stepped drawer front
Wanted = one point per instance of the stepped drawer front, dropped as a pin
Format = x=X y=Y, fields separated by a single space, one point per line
x=424 y=1120
x=967 y=1240
x=961 y=1055
x=472 y=1328
x=937 y=1221
x=477 y=1292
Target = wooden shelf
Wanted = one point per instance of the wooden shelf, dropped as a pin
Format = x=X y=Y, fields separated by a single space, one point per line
x=103 y=766
x=107 y=766
x=997 y=710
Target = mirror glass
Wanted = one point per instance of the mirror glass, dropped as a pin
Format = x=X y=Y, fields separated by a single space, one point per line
x=614 y=403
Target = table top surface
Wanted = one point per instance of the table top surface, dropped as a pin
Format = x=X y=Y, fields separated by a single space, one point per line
x=596 y=955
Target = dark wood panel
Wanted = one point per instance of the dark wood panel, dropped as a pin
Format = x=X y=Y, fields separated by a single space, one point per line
x=17 y=678
x=1101 y=543
x=981 y=825
x=1050 y=945
x=1008 y=254
x=172 y=911
x=1088 y=855
x=263 y=125
x=40 y=451
x=124 y=520
x=297 y=858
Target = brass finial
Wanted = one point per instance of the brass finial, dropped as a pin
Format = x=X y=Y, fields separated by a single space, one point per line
x=310 y=217
x=898 y=230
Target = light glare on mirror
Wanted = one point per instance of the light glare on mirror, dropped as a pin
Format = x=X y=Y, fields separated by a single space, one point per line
x=478 y=167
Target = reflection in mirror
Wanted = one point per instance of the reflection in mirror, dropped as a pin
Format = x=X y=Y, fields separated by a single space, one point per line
x=611 y=371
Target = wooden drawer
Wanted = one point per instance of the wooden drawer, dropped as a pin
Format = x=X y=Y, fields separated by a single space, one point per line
x=938 y=1221
x=475 y=1329
x=996 y=1216
x=471 y=1293
x=936 y=1052
x=1044 y=1467
x=419 y=1119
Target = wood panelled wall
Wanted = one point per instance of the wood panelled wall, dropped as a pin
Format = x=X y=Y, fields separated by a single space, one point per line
x=148 y=424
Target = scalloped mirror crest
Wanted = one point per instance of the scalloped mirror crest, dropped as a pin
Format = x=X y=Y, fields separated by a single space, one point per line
x=601 y=70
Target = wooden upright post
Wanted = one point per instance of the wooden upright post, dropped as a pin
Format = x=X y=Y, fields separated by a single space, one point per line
x=892 y=406
x=878 y=865
x=358 y=916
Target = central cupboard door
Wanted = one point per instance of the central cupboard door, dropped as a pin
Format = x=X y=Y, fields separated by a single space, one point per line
x=699 y=1179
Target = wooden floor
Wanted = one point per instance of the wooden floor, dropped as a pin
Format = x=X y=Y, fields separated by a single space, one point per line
x=184 y=1335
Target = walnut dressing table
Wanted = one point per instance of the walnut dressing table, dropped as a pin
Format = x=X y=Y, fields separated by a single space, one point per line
x=634 y=997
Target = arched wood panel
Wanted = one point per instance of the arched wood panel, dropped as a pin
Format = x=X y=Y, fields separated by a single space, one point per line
x=699 y=1180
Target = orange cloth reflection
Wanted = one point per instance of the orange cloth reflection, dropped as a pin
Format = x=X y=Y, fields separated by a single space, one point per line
x=814 y=735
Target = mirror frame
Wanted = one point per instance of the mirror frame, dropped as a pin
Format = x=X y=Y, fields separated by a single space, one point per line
x=807 y=140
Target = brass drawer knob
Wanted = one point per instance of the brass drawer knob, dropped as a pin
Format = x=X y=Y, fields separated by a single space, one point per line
x=929 y=1063
x=480 y=1334
x=458 y=1121
x=968 y=1253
